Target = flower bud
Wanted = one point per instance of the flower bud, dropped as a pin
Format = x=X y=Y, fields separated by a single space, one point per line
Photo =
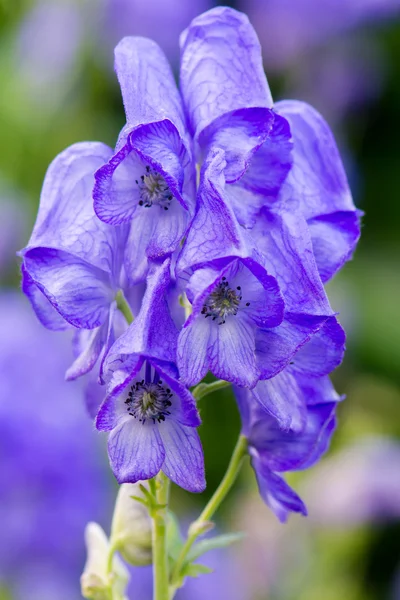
x=131 y=530
x=97 y=583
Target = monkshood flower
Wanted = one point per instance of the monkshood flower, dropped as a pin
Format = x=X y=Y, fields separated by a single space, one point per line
x=150 y=180
x=151 y=416
x=289 y=419
x=274 y=451
x=235 y=280
x=277 y=156
x=72 y=265
x=51 y=475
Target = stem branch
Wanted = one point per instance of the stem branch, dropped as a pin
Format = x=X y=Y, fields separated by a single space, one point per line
x=199 y=526
x=203 y=389
x=124 y=307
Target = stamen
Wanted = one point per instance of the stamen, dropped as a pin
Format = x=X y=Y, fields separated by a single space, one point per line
x=223 y=302
x=154 y=190
x=149 y=401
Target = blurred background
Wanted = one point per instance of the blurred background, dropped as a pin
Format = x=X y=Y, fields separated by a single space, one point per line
x=58 y=87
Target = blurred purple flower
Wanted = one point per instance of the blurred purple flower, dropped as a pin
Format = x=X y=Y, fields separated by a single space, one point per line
x=47 y=46
x=51 y=478
x=289 y=27
x=361 y=484
x=12 y=230
x=160 y=20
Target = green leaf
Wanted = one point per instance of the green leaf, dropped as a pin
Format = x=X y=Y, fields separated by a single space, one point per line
x=219 y=541
x=174 y=537
x=195 y=569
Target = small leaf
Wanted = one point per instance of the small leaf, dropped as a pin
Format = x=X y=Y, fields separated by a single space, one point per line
x=219 y=541
x=195 y=569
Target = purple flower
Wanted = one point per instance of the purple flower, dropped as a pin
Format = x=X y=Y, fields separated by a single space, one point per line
x=230 y=300
x=280 y=157
x=251 y=343
x=290 y=418
x=151 y=416
x=150 y=180
x=152 y=422
x=274 y=450
x=72 y=263
x=51 y=476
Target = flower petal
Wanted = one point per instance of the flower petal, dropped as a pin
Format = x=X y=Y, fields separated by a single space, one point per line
x=136 y=451
x=221 y=67
x=91 y=343
x=193 y=343
x=289 y=450
x=147 y=83
x=80 y=292
x=276 y=493
x=232 y=356
x=317 y=186
x=323 y=352
x=285 y=243
x=66 y=219
x=44 y=310
x=283 y=398
x=184 y=461
x=214 y=232
x=153 y=333
x=276 y=347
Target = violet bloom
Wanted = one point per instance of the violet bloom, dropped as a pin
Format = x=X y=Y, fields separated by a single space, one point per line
x=51 y=475
x=72 y=263
x=243 y=334
x=151 y=416
x=150 y=180
x=274 y=451
x=230 y=300
x=277 y=156
x=290 y=418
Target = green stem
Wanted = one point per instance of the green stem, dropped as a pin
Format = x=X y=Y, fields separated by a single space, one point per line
x=160 y=556
x=203 y=389
x=124 y=307
x=199 y=526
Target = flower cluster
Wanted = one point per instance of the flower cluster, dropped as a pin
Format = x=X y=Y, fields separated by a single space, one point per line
x=215 y=222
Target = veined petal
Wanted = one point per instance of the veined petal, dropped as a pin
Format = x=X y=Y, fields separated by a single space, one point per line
x=90 y=344
x=276 y=493
x=323 y=352
x=44 y=310
x=284 y=241
x=214 y=232
x=153 y=333
x=334 y=238
x=147 y=83
x=66 y=220
x=276 y=347
x=283 y=398
x=136 y=451
x=289 y=450
x=221 y=67
x=193 y=343
x=232 y=356
x=262 y=181
x=184 y=461
x=318 y=390
x=80 y=292
x=317 y=186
